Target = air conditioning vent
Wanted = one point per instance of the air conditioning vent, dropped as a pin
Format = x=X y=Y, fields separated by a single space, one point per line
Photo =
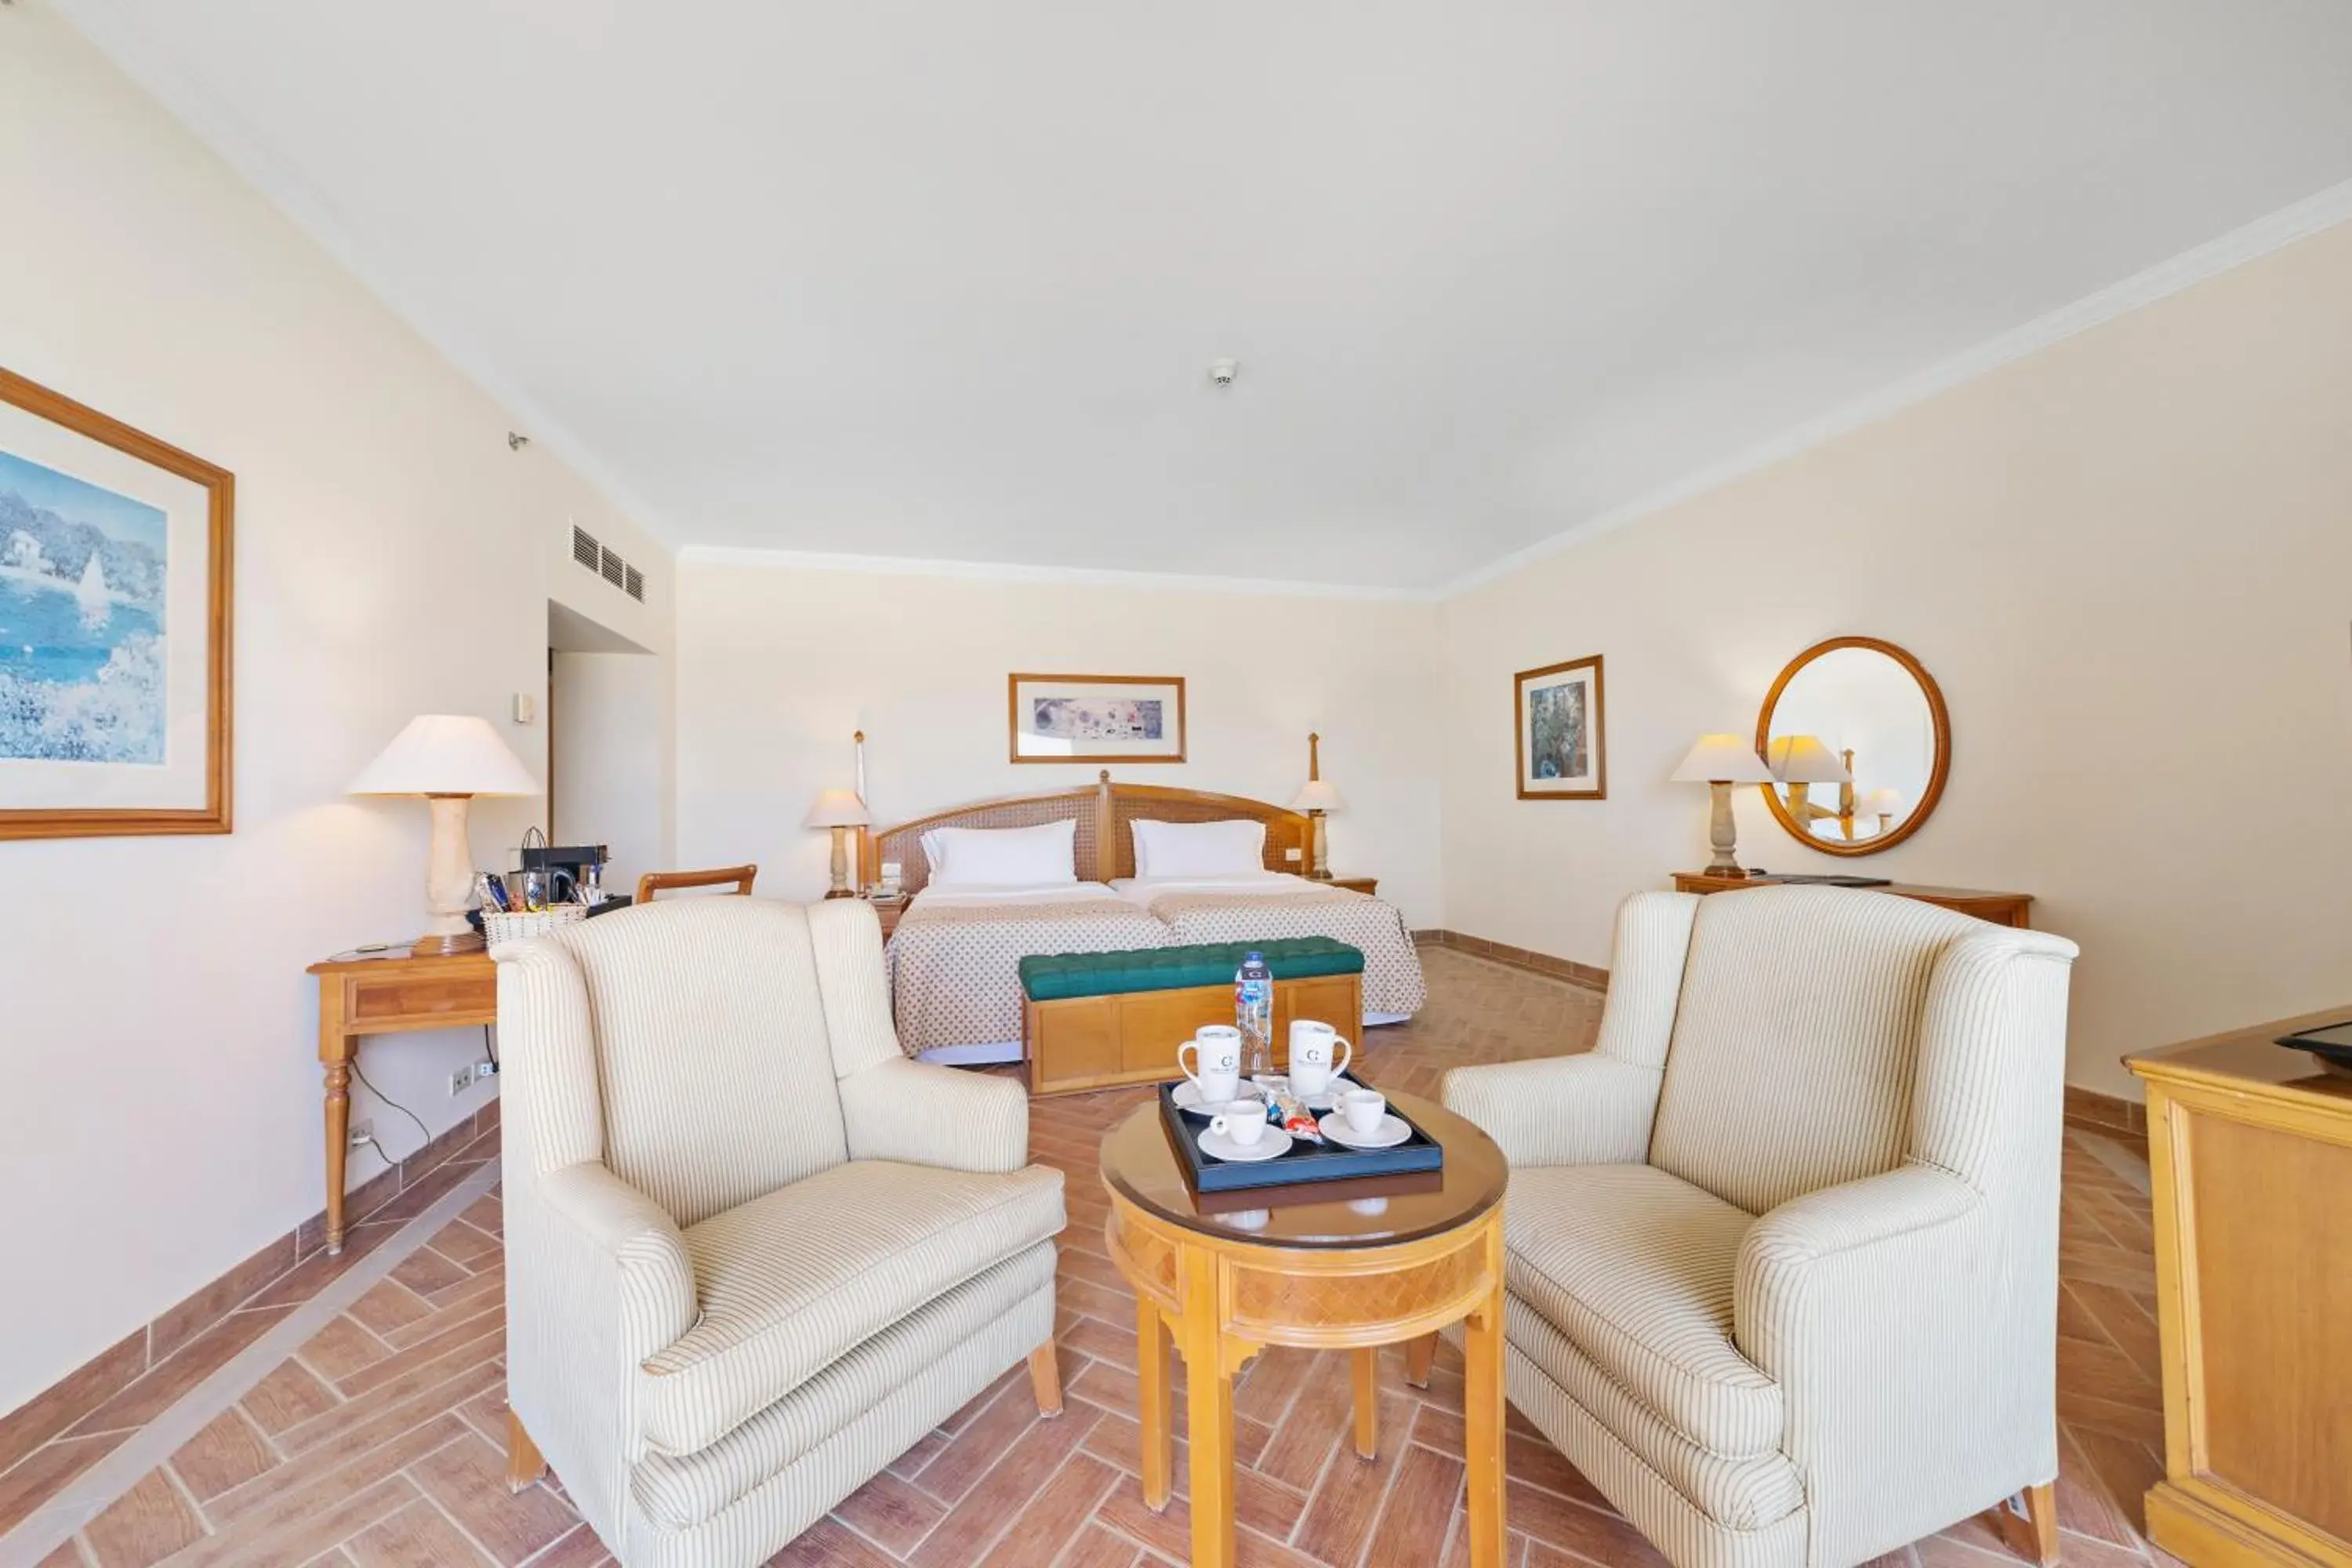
x=584 y=547
x=636 y=585
x=614 y=567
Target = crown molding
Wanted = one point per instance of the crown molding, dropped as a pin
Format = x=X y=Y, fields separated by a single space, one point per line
x=1011 y=572
x=2275 y=231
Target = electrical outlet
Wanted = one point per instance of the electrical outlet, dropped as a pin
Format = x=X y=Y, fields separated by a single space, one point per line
x=363 y=1134
x=466 y=1077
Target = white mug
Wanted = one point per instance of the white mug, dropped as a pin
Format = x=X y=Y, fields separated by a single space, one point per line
x=1216 y=1069
x=1243 y=1122
x=1318 y=1055
x=1363 y=1109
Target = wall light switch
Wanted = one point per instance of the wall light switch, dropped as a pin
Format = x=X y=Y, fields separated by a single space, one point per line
x=1291 y=855
x=526 y=708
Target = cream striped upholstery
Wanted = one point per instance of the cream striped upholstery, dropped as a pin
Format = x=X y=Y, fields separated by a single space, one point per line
x=1816 y=1319
x=752 y=1252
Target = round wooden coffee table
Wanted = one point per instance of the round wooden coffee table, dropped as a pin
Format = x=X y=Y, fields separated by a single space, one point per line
x=1322 y=1272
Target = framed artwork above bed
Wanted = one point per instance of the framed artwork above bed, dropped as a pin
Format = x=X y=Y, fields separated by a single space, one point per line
x=1097 y=718
x=1559 y=735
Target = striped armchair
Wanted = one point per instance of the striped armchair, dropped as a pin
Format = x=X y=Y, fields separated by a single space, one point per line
x=1782 y=1249
x=753 y=1252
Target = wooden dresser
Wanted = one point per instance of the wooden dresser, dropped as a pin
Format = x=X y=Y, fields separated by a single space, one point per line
x=2249 y=1147
x=2000 y=908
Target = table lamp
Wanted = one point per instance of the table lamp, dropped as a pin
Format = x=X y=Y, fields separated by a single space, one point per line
x=1801 y=762
x=840 y=810
x=447 y=757
x=1317 y=799
x=1719 y=761
x=1886 y=804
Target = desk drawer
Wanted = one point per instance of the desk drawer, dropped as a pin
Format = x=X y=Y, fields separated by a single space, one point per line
x=420 y=1002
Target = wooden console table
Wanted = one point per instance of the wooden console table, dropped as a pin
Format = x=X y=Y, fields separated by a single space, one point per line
x=2000 y=908
x=2250 y=1150
x=363 y=997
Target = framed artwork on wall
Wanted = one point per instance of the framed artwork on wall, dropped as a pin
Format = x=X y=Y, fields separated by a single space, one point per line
x=114 y=626
x=1097 y=718
x=1560 y=737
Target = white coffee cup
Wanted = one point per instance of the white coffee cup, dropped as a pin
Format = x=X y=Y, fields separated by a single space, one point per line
x=1243 y=1122
x=1363 y=1109
x=1318 y=1055
x=1216 y=1069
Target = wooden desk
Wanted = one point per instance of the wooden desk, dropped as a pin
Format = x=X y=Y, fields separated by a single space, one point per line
x=2249 y=1147
x=363 y=997
x=2000 y=908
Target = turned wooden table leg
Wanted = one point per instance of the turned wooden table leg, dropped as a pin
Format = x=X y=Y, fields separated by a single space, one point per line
x=1482 y=1420
x=1153 y=1411
x=1368 y=1402
x=338 y=1144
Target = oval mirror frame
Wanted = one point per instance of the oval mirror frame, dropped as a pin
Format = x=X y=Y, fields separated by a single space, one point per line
x=1929 y=797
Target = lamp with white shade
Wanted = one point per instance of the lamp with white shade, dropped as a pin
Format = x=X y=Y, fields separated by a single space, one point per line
x=840 y=810
x=447 y=757
x=1801 y=762
x=1886 y=804
x=1317 y=799
x=1719 y=761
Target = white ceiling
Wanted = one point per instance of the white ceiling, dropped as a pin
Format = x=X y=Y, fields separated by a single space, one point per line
x=941 y=279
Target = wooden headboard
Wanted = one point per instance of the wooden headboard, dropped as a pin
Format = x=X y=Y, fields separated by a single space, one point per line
x=1104 y=849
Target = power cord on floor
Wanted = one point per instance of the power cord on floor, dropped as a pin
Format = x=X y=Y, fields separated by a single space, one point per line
x=395 y=1105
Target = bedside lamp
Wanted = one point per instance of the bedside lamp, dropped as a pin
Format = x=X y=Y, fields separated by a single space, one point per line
x=447 y=757
x=840 y=810
x=1317 y=799
x=1801 y=762
x=1719 y=761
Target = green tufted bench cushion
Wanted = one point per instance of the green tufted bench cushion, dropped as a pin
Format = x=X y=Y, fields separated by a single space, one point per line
x=1056 y=977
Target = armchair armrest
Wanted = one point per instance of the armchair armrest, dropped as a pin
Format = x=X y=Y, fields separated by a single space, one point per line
x=927 y=1115
x=623 y=1243
x=1588 y=1110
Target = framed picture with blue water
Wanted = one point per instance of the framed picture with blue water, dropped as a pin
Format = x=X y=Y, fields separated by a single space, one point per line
x=1562 y=740
x=114 y=626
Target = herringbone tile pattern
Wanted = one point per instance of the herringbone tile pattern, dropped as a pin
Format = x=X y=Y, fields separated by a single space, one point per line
x=379 y=1443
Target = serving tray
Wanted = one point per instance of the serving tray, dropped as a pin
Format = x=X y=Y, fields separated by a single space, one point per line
x=1304 y=1161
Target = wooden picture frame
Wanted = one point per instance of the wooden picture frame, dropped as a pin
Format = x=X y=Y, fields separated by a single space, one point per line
x=1579 y=725
x=1090 y=711
x=107 y=474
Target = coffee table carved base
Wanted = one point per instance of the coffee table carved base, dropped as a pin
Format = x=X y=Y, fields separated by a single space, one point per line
x=1219 y=1299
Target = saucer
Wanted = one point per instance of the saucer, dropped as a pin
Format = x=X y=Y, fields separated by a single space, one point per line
x=1274 y=1141
x=1391 y=1131
x=1187 y=1095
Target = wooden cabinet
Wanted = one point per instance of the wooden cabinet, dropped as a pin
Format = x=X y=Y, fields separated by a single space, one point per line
x=2249 y=1148
x=1093 y=1042
x=2000 y=908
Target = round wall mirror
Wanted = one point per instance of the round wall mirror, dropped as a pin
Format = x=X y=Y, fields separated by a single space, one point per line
x=1859 y=744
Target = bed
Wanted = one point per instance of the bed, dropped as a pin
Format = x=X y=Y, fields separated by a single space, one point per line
x=953 y=960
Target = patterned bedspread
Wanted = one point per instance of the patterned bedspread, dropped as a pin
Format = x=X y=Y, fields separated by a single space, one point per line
x=1392 y=982
x=955 y=970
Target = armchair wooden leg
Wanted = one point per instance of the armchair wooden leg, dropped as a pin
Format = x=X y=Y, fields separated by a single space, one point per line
x=1045 y=1379
x=1418 y=1356
x=524 y=1465
x=1368 y=1404
x=2029 y=1523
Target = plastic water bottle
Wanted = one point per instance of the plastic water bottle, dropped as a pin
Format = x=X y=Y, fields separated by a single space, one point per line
x=1254 y=1014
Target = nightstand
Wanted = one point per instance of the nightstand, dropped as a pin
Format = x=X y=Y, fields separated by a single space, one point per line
x=1356 y=884
x=889 y=914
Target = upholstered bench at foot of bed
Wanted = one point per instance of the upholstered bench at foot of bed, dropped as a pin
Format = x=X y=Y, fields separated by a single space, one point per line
x=1090 y=1020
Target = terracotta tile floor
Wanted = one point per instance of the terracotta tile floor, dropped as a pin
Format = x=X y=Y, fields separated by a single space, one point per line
x=379 y=1443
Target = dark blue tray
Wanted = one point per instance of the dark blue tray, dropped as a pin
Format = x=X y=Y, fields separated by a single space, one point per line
x=1303 y=1162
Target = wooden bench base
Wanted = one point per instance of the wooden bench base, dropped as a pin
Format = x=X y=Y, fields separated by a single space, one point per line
x=1080 y=1043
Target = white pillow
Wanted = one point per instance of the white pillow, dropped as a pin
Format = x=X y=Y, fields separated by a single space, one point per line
x=1003 y=857
x=1236 y=848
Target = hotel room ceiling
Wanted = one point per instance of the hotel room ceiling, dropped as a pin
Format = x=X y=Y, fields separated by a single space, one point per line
x=943 y=282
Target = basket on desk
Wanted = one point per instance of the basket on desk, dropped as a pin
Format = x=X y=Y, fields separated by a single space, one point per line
x=499 y=926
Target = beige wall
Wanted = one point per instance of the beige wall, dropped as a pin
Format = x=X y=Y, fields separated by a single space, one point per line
x=777 y=666
x=2127 y=559
x=159 y=1082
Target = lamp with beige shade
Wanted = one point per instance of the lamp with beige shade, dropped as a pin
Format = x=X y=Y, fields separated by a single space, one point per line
x=1800 y=762
x=447 y=757
x=840 y=810
x=1317 y=799
x=1719 y=761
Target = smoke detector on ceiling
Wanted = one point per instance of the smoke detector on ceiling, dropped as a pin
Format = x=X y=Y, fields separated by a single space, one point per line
x=1222 y=371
